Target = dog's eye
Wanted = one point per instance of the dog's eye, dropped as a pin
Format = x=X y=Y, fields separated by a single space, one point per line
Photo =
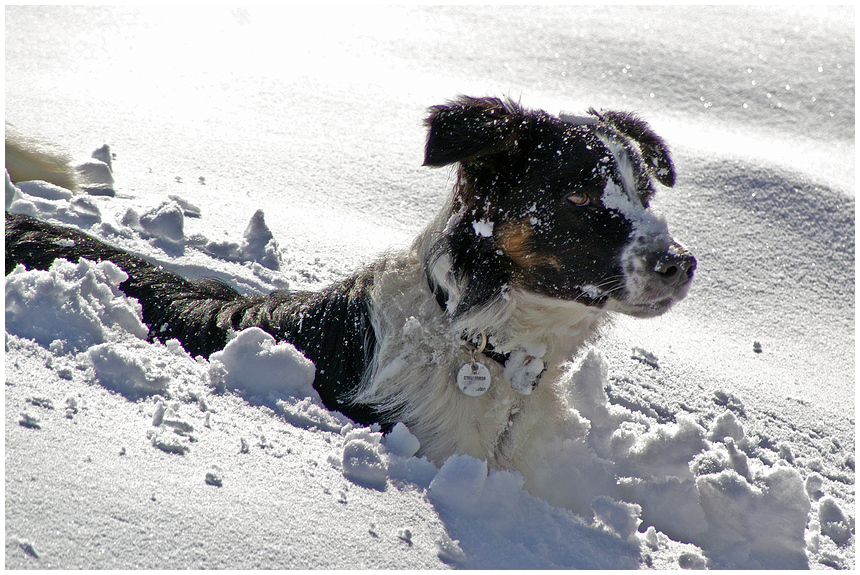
x=578 y=198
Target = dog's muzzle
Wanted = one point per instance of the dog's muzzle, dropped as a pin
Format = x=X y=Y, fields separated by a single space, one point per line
x=658 y=272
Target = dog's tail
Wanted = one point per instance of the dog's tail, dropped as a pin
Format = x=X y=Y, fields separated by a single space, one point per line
x=31 y=159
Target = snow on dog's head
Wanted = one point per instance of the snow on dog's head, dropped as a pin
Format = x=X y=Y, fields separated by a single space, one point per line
x=554 y=208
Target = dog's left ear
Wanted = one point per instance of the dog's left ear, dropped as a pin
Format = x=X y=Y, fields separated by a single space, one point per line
x=654 y=151
x=469 y=129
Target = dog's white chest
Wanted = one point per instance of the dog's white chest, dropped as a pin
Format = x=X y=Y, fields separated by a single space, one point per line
x=455 y=399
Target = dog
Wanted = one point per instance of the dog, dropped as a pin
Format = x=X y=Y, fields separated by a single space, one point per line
x=464 y=336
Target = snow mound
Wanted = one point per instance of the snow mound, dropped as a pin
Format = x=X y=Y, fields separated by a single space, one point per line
x=258 y=245
x=400 y=441
x=129 y=368
x=695 y=486
x=79 y=304
x=96 y=175
x=363 y=464
x=165 y=222
x=48 y=201
x=498 y=525
x=759 y=524
x=371 y=460
x=255 y=365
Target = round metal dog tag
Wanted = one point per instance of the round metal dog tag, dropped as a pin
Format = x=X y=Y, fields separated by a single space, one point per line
x=473 y=378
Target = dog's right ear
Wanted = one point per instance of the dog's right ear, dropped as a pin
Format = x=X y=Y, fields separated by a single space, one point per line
x=653 y=148
x=469 y=128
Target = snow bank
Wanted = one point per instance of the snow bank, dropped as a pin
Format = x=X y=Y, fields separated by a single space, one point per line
x=78 y=305
x=617 y=485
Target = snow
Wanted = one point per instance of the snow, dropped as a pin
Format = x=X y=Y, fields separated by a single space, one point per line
x=483 y=228
x=253 y=363
x=523 y=371
x=282 y=149
x=78 y=304
x=401 y=442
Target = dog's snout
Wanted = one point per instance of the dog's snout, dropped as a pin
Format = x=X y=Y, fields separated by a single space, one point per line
x=675 y=266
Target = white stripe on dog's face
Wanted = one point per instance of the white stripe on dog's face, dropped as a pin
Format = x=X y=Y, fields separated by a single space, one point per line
x=646 y=293
x=622 y=194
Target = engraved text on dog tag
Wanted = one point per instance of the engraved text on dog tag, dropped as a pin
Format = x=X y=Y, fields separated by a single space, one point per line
x=473 y=378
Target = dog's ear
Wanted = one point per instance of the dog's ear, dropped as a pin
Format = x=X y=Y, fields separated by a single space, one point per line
x=654 y=151
x=468 y=129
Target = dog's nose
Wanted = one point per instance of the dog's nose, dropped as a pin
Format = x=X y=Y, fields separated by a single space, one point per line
x=675 y=266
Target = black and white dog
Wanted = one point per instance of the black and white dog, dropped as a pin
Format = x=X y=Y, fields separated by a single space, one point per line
x=463 y=336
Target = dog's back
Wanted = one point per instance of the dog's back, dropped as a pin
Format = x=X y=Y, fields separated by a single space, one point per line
x=331 y=327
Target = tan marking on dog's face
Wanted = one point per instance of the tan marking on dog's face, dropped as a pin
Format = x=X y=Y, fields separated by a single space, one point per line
x=514 y=239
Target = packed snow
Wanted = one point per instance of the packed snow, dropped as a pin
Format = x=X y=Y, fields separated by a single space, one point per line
x=282 y=150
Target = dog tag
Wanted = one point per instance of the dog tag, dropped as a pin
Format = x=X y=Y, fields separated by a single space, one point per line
x=473 y=379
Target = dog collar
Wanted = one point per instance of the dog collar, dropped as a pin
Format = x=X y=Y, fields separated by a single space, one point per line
x=474 y=378
x=522 y=371
x=485 y=348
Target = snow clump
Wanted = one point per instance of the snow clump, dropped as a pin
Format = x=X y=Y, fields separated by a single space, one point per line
x=258 y=245
x=130 y=369
x=254 y=364
x=45 y=200
x=79 y=304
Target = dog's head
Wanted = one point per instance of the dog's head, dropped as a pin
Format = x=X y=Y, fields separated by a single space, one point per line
x=556 y=207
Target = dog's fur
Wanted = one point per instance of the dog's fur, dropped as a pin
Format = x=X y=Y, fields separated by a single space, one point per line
x=546 y=232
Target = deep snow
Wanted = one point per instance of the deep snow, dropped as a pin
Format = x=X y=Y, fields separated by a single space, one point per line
x=282 y=150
